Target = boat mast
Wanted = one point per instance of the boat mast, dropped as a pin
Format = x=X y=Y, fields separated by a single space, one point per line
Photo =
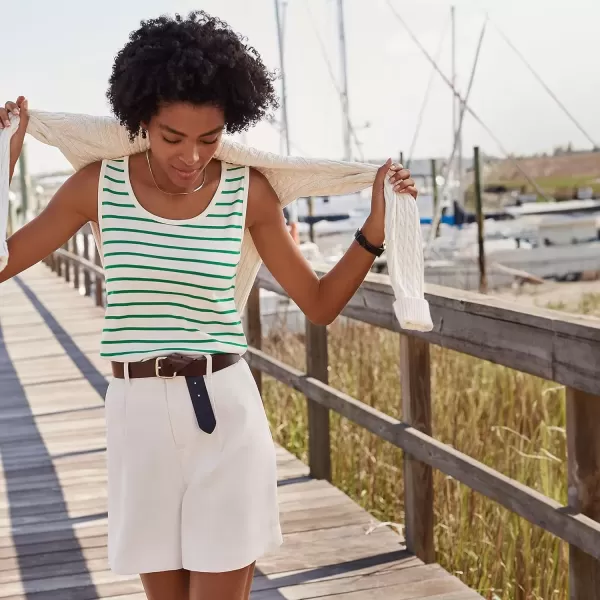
x=284 y=138
x=456 y=169
x=344 y=86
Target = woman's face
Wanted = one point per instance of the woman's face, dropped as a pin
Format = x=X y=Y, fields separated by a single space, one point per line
x=184 y=138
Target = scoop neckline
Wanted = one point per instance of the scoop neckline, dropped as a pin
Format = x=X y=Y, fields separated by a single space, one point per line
x=199 y=217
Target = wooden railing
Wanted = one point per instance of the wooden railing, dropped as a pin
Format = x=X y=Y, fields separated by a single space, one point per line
x=560 y=348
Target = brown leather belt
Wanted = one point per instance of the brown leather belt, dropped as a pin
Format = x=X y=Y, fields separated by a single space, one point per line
x=174 y=365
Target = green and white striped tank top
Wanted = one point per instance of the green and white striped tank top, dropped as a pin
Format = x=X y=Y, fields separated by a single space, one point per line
x=170 y=283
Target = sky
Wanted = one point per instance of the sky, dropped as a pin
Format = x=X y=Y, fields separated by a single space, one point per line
x=60 y=57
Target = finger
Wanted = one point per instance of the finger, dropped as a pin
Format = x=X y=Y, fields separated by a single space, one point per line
x=4 y=122
x=402 y=185
x=396 y=166
x=412 y=190
x=400 y=175
x=11 y=107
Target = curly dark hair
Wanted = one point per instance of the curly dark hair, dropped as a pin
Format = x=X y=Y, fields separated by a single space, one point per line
x=197 y=59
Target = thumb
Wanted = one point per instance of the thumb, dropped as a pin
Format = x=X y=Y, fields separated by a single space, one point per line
x=23 y=114
x=381 y=173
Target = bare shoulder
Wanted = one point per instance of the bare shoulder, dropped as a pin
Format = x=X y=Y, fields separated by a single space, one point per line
x=80 y=191
x=263 y=203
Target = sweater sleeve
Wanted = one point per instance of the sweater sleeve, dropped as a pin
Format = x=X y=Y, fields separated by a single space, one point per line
x=5 y=135
x=404 y=250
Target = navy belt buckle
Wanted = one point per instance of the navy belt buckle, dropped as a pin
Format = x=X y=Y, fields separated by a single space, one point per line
x=205 y=414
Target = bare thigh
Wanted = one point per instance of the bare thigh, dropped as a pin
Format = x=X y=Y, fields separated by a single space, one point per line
x=231 y=585
x=167 y=585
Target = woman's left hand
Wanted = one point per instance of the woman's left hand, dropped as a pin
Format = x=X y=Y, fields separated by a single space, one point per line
x=402 y=182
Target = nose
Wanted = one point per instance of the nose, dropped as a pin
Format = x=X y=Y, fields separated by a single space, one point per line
x=191 y=156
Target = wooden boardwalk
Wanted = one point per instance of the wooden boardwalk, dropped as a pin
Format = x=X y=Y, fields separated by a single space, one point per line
x=53 y=512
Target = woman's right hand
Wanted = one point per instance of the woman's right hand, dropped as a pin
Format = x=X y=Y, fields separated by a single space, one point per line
x=19 y=108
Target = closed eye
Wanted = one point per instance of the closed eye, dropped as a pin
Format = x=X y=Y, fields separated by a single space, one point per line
x=207 y=143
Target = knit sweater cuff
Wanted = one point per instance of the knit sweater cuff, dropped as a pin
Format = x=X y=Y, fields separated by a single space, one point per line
x=413 y=313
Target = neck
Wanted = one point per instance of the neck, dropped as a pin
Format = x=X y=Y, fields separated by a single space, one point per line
x=163 y=181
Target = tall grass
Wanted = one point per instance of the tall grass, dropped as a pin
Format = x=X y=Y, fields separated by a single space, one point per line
x=510 y=421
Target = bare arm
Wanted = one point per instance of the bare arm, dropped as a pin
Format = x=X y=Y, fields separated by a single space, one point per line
x=321 y=300
x=72 y=206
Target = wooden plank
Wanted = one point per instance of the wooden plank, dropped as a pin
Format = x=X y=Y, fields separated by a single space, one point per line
x=317 y=366
x=583 y=446
x=419 y=582
x=546 y=343
x=418 y=476
x=367 y=568
x=575 y=528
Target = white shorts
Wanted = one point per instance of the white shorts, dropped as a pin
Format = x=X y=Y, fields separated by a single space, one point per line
x=182 y=498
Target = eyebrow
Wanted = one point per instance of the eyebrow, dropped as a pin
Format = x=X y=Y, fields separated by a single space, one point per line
x=174 y=131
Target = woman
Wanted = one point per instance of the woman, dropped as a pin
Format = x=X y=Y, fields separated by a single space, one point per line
x=191 y=461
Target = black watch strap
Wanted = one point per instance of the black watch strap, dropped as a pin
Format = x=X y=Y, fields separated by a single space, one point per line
x=362 y=240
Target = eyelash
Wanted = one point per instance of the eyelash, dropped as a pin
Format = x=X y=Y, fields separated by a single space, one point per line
x=177 y=141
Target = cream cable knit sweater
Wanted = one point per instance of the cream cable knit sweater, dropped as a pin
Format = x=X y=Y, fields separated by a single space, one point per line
x=84 y=139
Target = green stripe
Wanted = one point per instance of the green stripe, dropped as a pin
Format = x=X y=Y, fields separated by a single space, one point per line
x=114 y=180
x=234 y=179
x=233 y=214
x=192 y=260
x=171 y=235
x=144 y=220
x=225 y=333
x=235 y=169
x=202 y=310
x=214 y=300
x=114 y=192
x=107 y=203
x=213 y=226
x=190 y=329
x=115 y=169
x=107 y=354
x=232 y=191
x=153 y=280
x=106 y=342
x=113 y=329
x=167 y=270
x=229 y=203
x=119 y=160
x=170 y=247
x=225 y=324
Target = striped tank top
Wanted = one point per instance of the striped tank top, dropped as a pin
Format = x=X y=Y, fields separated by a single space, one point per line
x=170 y=283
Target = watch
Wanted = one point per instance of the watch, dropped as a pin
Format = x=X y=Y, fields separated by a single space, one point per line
x=362 y=240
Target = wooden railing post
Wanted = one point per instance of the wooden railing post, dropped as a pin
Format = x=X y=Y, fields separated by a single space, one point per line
x=76 y=266
x=99 y=280
x=418 y=477
x=583 y=448
x=66 y=264
x=60 y=262
x=87 y=280
x=254 y=327
x=317 y=366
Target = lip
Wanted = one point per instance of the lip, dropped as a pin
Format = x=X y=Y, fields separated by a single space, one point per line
x=186 y=175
